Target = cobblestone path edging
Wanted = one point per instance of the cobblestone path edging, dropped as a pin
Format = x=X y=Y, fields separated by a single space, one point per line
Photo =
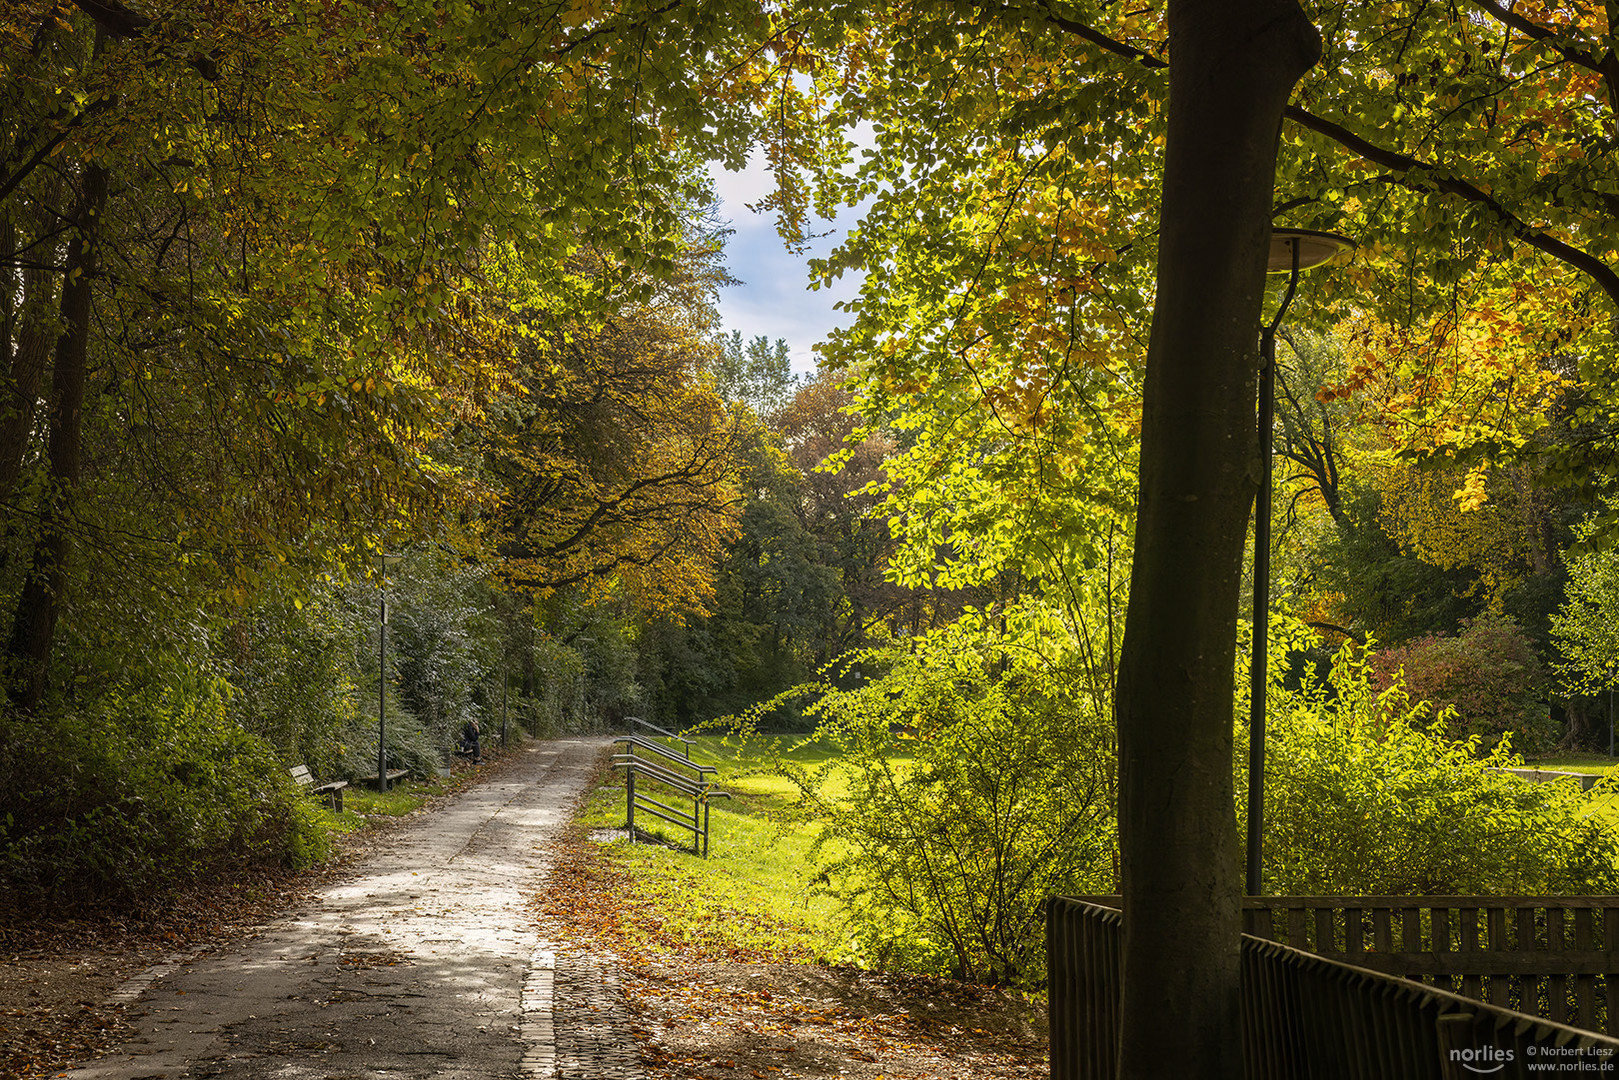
x=593 y=1038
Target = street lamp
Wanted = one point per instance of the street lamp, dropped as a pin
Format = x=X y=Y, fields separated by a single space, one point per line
x=1291 y=250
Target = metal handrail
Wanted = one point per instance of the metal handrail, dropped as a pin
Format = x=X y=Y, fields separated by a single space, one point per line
x=684 y=784
x=665 y=732
x=700 y=789
x=663 y=751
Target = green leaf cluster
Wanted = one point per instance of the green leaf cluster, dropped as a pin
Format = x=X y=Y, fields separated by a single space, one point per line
x=1365 y=795
x=138 y=791
x=979 y=780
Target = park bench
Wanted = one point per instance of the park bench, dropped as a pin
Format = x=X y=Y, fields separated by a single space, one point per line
x=332 y=791
x=370 y=780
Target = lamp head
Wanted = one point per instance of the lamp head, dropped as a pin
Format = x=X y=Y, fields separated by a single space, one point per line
x=1314 y=249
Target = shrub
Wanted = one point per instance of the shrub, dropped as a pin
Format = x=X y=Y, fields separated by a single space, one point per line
x=998 y=792
x=139 y=790
x=442 y=643
x=1365 y=796
x=1488 y=674
x=293 y=667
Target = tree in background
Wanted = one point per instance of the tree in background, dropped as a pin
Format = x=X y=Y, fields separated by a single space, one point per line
x=1586 y=627
x=756 y=373
x=610 y=463
x=272 y=278
x=1489 y=677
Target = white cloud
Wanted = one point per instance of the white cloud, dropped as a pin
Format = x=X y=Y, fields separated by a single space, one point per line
x=774 y=299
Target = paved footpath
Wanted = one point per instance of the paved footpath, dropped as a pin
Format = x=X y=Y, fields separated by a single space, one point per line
x=424 y=963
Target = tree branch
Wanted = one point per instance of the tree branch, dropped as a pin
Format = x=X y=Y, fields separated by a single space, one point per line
x=122 y=22
x=1096 y=37
x=1608 y=66
x=1593 y=267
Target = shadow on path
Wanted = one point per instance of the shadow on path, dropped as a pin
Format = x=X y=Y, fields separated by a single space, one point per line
x=423 y=963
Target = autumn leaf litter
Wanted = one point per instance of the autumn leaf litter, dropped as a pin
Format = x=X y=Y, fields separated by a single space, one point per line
x=706 y=1010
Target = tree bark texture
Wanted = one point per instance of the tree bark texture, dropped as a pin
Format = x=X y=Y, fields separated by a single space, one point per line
x=29 y=334
x=1233 y=66
x=33 y=629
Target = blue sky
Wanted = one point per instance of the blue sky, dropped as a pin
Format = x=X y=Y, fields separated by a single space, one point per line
x=775 y=298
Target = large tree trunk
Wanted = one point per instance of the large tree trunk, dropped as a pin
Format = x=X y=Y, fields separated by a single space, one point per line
x=1233 y=66
x=33 y=630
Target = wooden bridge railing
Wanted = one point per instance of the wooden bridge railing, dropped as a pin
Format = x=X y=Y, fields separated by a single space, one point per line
x=1345 y=1012
x=1555 y=957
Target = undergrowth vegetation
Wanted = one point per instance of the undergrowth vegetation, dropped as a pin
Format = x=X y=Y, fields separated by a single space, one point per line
x=1004 y=794
x=939 y=804
x=1367 y=795
x=152 y=768
x=144 y=790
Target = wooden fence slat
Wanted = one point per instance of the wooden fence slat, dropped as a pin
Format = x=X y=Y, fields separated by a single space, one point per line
x=1527 y=943
x=1467 y=942
x=1382 y=938
x=1556 y=985
x=1585 y=986
x=1439 y=920
x=1354 y=931
x=1610 y=981
x=1296 y=935
x=1496 y=923
x=1411 y=933
x=1325 y=939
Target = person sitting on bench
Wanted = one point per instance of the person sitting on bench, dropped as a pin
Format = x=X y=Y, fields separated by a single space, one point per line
x=468 y=746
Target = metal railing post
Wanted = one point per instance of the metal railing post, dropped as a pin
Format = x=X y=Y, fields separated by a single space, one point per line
x=629 y=799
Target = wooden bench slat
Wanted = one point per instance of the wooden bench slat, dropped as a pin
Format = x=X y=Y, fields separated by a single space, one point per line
x=332 y=789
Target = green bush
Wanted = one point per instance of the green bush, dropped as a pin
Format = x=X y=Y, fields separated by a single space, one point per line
x=294 y=669
x=1365 y=795
x=410 y=746
x=442 y=642
x=1488 y=676
x=997 y=791
x=139 y=790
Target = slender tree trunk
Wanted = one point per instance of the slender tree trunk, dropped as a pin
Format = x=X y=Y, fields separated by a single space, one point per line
x=25 y=374
x=33 y=629
x=1234 y=65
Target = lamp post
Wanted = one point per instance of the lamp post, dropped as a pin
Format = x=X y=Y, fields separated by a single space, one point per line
x=1291 y=250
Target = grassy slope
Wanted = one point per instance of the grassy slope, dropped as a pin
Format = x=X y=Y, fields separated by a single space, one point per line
x=1607 y=806
x=755 y=893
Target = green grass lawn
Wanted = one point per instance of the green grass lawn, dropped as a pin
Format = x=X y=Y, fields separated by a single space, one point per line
x=1607 y=806
x=361 y=802
x=756 y=891
x=1579 y=762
